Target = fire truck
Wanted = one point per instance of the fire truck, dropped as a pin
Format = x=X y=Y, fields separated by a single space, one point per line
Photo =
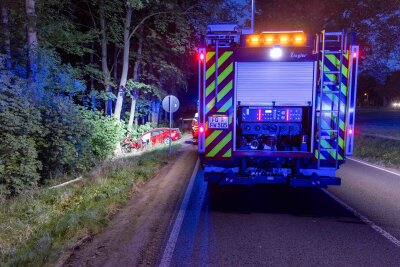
x=276 y=107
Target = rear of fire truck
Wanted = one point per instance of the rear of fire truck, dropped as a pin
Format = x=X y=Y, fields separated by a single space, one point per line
x=276 y=107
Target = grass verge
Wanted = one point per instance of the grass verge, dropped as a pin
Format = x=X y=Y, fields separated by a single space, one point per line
x=380 y=151
x=37 y=226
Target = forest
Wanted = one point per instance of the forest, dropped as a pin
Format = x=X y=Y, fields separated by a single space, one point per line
x=75 y=75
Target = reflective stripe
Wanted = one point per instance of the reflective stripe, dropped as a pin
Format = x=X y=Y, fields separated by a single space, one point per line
x=224 y=57
x=210 y=71
x=210 y=105
x=226 y=106
x=228 y=153
x=209 y=55
x=220 y=145
x=212 y=136
x=210 y=88
x=225 y=73
x=225 y=90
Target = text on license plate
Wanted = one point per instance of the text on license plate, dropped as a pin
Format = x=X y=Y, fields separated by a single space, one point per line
x=218 y=122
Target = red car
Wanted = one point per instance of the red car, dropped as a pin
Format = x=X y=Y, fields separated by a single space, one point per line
x=161 y=135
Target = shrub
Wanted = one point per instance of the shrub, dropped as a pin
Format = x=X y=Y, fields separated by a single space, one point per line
x=106 y=133
x=44 y=133
x=19 y=129
x=145 y=127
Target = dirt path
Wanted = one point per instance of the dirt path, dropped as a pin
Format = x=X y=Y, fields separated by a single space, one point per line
x=136 y=235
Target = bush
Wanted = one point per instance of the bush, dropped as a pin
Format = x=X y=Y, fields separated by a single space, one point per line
x=106 y=133
x=20 y=127
x=44 y=134
x=145 y=127
x=65 y=146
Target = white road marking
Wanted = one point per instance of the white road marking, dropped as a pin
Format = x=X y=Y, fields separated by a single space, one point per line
x=173 y=237
x=367 y=221
x=374 y=166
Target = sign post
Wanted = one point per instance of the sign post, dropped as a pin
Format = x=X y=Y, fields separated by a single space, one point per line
x=170 y=104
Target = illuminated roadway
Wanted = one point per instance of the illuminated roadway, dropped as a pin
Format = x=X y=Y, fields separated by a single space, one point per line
x=280 y=226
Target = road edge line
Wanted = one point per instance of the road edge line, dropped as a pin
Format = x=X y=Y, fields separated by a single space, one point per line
x=374 y=166
x=363 y=218
x=173 y=236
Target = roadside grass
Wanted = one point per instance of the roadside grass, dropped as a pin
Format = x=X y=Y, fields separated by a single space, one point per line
x=37 y=226
x=375 y=130
x=380 y=151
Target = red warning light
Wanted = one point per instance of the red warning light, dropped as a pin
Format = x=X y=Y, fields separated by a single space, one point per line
x=201 y=129
x=350 y=131
x=201 y=56
x=355 y=55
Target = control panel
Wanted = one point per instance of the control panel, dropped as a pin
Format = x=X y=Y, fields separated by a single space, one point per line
x=272 y=128
x=272 y=114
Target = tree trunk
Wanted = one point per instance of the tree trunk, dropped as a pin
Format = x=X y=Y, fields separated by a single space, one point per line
x=31 y=36
x=6 y=35
x=115 y=64
x=125 y=64
x=136 y=78
x=93 y=97
x=104 y=56
x=158 y=109
x=111 y=102
x=133 y=109
x=155 y=108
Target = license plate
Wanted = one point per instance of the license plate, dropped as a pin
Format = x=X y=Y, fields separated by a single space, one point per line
x=218 y=122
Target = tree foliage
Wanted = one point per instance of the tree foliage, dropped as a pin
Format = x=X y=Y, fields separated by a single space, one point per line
x=376 y=24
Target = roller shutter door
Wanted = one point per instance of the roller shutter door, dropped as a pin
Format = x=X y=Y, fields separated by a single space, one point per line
x=286 y=83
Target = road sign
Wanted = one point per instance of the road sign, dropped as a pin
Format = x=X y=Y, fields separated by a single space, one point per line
x=170 y=103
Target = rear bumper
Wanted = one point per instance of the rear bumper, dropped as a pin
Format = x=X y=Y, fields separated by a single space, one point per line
x=287 y=154
x=231 y=177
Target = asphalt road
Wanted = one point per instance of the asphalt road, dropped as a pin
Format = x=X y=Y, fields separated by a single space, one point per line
x=280 y=226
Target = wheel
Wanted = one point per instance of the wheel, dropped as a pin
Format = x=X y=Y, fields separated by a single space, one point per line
x=167 y=140
x=144 y=146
